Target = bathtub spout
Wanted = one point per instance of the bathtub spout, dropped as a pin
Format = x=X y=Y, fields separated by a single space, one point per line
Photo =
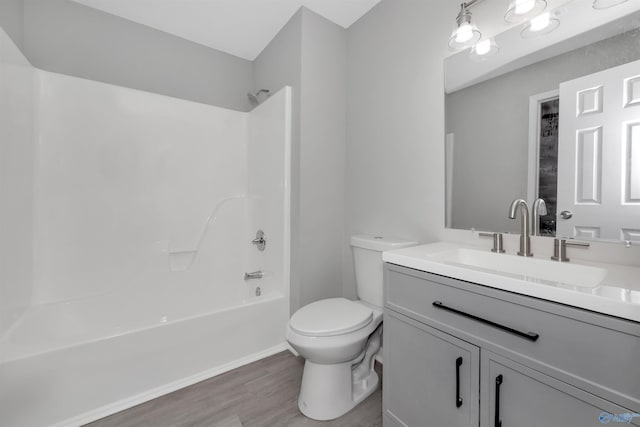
x=253 y=275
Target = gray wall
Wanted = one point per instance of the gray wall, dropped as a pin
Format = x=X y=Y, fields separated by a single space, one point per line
x=65 y=37
x=392 y=165
x=490 y=121
x=395 y=132
x=309 y=54
x=12 y=19
x=322 y=157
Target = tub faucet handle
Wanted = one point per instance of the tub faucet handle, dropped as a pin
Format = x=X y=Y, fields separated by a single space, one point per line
x=260 y=241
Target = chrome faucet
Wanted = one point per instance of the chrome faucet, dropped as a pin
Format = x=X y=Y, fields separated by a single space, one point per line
x=539 y=209
x=253 y=275
x=525 y=230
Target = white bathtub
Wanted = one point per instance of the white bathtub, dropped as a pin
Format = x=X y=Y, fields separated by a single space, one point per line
x=95 y=314
x=74 y=364
x=110 y=320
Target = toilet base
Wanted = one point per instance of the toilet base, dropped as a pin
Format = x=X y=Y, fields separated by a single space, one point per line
x=328 y=391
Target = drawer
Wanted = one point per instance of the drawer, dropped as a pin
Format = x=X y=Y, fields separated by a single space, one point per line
x=599 y=359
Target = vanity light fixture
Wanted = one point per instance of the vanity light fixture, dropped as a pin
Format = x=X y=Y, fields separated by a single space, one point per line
x=466 y=34
x=540 y=26
x=521 y=10
x=606 y=4
x=484 y=49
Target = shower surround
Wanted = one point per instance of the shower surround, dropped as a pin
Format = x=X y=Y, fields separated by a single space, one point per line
x=127 y=220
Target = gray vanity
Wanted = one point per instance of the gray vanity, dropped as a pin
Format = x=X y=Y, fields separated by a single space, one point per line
x=462 y=354
x=491 y=339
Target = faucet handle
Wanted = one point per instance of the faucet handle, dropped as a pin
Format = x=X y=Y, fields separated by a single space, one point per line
x=576 y=243
x=498 y=246
x=253 y=275
x=560 y=248
x=260 y=241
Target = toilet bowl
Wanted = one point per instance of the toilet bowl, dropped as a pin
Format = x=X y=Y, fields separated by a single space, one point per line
x=328 y=388
x=339 y=338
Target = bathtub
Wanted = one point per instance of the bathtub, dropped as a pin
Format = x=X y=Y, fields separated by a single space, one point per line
x=117 y=316
x=69 y=365
x=126 y=276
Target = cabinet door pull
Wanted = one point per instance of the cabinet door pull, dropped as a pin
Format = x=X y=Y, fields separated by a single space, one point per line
x=497 y=422
x=531 y=336
x=458 y=397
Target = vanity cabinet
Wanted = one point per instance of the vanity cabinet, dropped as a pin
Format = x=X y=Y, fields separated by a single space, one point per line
x=526 y=362
x=520 y=396
x=435 y=377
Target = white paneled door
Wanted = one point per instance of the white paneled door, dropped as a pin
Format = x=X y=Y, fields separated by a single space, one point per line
x=599 y=155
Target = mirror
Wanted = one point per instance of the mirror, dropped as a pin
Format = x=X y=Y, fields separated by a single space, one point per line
x=550 y=117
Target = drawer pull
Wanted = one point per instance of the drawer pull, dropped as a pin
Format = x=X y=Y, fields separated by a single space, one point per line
x=531 y=336
x=458 y=397
x=496 y=420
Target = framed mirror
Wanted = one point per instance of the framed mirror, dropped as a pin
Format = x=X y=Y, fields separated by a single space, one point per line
x=555 y=117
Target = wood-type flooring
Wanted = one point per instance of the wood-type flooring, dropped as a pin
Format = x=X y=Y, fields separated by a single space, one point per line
x=261 y=394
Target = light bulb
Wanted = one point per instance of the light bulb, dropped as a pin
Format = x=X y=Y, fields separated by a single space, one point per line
x=540 y=26
x=540 y=22
x=483 y=47
x=521 y=10
x=464 y=33
x=524 y=6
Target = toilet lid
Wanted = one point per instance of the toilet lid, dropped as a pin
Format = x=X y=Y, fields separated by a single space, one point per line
x=333 y=316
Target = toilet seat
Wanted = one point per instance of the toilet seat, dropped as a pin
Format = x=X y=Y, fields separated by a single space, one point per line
x=330 y=317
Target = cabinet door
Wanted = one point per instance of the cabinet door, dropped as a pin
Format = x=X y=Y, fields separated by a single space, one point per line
x=431 y=379
x=516 y=396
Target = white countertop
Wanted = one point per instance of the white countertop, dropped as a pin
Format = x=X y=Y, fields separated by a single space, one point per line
x=617 y=294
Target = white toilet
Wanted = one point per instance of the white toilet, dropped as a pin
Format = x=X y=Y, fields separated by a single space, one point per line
x=339 y=338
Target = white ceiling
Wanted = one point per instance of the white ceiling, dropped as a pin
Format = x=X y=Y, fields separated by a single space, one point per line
x=240 y=27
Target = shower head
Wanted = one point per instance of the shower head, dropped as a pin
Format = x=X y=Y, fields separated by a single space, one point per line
x=254 y=97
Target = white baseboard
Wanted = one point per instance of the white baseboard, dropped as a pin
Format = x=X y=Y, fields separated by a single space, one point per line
x=132 y=401
x=291 y=349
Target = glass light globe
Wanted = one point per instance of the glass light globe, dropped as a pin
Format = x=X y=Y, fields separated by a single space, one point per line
x=524 y=6
x=483 y=47
x=540 y=22
x=464 y=33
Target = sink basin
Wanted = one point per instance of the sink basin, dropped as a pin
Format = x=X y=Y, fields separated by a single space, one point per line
x=596 y=286
x=529 y=269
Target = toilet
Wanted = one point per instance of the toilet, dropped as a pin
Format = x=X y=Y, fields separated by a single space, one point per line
x=339 y=338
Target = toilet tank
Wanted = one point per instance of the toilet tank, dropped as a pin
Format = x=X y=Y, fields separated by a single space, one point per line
x=367 y=261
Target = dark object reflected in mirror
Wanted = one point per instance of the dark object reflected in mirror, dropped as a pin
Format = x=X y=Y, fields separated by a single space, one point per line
x=548 y=164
